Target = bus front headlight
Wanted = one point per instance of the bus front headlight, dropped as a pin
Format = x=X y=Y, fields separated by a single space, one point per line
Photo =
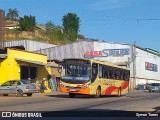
x=86 y=86
x=62 y=85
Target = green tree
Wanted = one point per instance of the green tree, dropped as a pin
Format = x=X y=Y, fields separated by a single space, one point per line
x=71 y=26
x=12 y=14
x=50 y=25
x=28 y=23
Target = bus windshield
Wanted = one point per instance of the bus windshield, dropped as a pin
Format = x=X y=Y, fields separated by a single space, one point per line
x=74 y=72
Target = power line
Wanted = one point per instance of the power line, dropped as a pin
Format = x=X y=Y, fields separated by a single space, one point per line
x=125 y=19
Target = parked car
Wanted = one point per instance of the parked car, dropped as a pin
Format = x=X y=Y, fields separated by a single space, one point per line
x=154 y=87
x=18 y=87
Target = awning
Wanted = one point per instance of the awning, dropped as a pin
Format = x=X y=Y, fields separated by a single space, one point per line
x=3 y=56
x=31 y=62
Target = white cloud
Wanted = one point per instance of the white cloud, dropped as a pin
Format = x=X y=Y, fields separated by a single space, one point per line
x=109 y=4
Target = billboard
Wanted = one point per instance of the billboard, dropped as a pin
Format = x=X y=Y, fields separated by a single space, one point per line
x=151 y=67
x=107 y=52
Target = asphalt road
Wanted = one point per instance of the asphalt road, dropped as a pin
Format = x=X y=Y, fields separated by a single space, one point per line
x=134 y=101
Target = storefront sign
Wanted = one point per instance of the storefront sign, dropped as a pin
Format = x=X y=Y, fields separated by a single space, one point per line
x=151 y=66
x=107 y=52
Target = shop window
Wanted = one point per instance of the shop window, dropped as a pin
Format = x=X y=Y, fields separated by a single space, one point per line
x=28 y=72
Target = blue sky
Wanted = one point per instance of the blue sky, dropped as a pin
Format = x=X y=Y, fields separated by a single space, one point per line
x=108 y=20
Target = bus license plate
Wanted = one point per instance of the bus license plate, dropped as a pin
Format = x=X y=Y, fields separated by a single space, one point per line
x=73 y=90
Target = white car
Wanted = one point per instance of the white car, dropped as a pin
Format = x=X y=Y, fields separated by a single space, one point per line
x=154 y=87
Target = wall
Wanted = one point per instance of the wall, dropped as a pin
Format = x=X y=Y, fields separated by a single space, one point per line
x=3 y=70
x=13 y=53
x=142 y=74
x=74 y=50
x=10 y=68
x=138 y=76
x=54 y=69
x=2 y=27
x=119 y=59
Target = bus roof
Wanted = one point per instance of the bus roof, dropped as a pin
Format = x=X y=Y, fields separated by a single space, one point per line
x=99 y=61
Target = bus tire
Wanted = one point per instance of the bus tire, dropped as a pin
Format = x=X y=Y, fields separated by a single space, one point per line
x=119 y=92
x=5 y=94
x=29 y=94
x=72 y=95
x=98 y=93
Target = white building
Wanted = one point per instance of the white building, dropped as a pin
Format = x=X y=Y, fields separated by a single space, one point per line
x=143 y=63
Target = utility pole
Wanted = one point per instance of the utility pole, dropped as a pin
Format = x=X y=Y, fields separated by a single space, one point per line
x=134 y=64
x=2 y=28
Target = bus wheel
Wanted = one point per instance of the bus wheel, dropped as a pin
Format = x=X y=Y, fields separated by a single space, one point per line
x=119 y=92
x=98 y=93
x=72 y=95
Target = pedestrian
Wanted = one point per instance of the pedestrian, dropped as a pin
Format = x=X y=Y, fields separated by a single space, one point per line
x=54 y=83
x=43 y=87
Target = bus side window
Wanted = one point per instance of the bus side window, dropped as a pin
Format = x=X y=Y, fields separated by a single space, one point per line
x=113 y=73
x=124 y=75
x=100 y=71
x=117 y=74
x=108 y=72
x=121 y=74
x=127 y=74
x=94 y=71
x=105 y=71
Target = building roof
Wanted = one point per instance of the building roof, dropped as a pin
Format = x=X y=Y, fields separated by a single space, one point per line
x=31 y=62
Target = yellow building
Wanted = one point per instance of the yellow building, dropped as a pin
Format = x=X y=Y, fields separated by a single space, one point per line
x=19 y=64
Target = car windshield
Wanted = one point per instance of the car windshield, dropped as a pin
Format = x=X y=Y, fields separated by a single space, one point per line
x=25 y=81
x=155 y=84
x=76 y=72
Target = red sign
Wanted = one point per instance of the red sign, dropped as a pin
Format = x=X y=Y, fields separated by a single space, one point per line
x=93 y=53
x=151 y=66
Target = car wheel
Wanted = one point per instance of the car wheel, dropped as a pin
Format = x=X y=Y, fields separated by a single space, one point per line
x=5 y=94
x=29 y=94
x=19 y=93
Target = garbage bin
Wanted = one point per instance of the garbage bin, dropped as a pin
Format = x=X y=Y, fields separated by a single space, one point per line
x=141 y=87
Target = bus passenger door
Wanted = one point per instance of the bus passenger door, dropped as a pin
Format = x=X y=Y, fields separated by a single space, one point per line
x=94 y=79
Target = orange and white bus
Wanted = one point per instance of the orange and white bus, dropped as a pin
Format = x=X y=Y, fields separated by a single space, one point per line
x=93 y=77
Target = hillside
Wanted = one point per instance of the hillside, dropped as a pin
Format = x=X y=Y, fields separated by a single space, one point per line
x=40 y=34
x=12 y=32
